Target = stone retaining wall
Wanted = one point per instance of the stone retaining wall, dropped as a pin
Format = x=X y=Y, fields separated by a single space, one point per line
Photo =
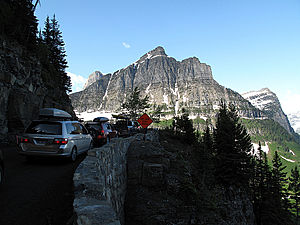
x=100 y=183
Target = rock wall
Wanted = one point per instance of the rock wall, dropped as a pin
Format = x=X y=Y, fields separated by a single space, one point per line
x=100 y=183
x=22 y=90
x=144 y=180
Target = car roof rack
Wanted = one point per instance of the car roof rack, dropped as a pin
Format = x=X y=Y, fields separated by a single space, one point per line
x=54 y=114
x=100 y=119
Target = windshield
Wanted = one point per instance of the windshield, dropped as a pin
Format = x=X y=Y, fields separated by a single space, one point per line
x=44 y=127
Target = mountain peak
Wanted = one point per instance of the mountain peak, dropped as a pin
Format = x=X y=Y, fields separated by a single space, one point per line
x=93 y=78
x=158 y=51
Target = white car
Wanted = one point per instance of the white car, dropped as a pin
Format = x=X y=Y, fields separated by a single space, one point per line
x=54 y=134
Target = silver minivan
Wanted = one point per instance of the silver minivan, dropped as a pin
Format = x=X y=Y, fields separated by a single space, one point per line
x=54 y=136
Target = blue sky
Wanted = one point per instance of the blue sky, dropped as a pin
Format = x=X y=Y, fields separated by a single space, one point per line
x=249 y=44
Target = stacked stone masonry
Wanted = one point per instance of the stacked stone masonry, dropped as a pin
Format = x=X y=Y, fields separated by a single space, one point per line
x=100 y=183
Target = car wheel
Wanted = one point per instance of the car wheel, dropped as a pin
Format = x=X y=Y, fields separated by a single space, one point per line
x=1 y=175
x=73 y=156
x=91 y=145
x=29 y=158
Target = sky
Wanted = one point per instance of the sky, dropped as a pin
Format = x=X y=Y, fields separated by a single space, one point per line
x=249 y=44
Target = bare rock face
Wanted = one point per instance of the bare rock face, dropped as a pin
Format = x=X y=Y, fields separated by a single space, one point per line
x=267 y=101
x=169 y=83
x=93 y=78
x=22 y=90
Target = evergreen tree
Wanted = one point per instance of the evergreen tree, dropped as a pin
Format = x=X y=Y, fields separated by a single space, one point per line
x=183 y=127
x=18 y=22
x=207 y=156
x=279 y=193
x=261 y=191
x=257 y=183
x=135 y=104
x=56 y=55
x=294 y=188
x=232 y=146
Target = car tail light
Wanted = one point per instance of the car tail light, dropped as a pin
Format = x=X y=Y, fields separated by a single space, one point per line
x=60 y=141
x=24 y=140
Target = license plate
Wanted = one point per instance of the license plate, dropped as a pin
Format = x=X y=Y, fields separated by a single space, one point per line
x=41 y=142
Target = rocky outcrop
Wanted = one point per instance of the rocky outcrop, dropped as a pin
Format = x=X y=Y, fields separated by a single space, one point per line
x=93 y=78
x=146 y=182
x=100 y=183
x=234 y=207
x=157 y=193
x=22 y=90
x=267 y=101
x=169 y=83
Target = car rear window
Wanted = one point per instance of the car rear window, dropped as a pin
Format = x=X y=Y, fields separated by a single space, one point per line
x=44 y=127
x=94 y=126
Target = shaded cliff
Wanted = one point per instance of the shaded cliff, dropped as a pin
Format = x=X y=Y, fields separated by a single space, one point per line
x=23 y=89
x=160 y=190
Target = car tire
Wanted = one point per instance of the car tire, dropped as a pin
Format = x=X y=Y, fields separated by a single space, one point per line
x=91 y=145
x=29 y=158
x=1 y=175
x=73 y=155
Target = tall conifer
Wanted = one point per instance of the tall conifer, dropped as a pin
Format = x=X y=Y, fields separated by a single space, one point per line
x=52 y=37
x=294 y=188
x=232 y=146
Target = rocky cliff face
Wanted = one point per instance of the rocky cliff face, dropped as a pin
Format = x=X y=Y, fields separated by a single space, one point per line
x=156 y=190
x=22 y=90
x=267 y=101
x=93 y=78
x=169 y=83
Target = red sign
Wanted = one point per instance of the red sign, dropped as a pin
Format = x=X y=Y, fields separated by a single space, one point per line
x=145 y=120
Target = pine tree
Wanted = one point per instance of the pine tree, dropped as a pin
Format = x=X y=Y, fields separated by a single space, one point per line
x=18 y=22
x=257 y=183
x=183 y=127
x=279 y=193
x=135 y=104
x=56 y=54
x=263 y=203
x=294 y=188
x=232 y=146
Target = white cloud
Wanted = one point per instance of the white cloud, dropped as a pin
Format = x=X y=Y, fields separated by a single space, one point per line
x=126 y=45
x=77 y=82
x=290 y=102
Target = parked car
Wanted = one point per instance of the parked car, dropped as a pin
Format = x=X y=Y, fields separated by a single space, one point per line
x=101 y=130
x=54 y=134
x=133 y=127
x=1 y=168
x=126 y=127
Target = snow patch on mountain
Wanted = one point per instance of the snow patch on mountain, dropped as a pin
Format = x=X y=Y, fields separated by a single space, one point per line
x=295 y=121
x=264 y=148
x=289 y=160
x=260 y=99
x=90 y=115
